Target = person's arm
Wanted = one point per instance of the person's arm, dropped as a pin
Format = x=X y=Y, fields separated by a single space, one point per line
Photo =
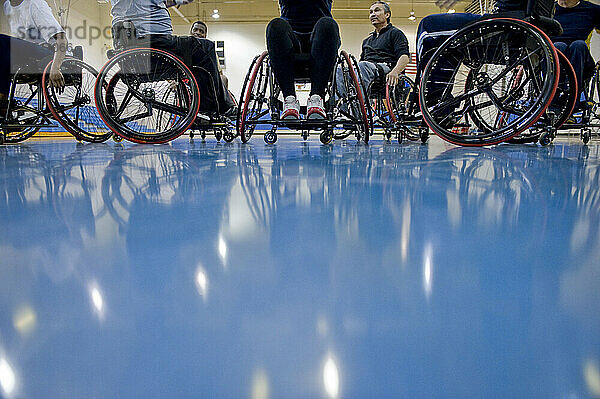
x=60 y=50
x=394 y=75
x=171 y=3
x=401 y=48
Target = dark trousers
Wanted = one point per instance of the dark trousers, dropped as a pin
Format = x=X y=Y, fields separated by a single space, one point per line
x=322 y=44
x=200 y=56
x=18 y=54
x=579 y=55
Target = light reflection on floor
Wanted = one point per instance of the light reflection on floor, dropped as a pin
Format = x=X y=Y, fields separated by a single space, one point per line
x=201 y=269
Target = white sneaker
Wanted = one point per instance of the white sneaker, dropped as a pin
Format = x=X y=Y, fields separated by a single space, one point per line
x=291 y=108
x=315 y=108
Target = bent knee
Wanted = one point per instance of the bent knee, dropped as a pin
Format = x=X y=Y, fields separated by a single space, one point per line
x=277 y=27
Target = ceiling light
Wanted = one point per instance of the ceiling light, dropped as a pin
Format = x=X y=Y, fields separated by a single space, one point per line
x=451 y=11
x=216 y=14
x=412 y=16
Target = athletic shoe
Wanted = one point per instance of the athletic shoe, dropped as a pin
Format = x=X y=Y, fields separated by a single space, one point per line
x=315 y=107
x=291 y=108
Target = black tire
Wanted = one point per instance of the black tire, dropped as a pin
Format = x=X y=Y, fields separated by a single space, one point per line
x=253 y=97
x=130 y=95
x=481 y=86
x=353 y=99
x=74 y=106
x=27 y=103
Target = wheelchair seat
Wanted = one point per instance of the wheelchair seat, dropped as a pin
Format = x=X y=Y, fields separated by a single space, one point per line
x=302 y=67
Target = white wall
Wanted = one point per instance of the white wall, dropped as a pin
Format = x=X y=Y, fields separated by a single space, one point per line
x=244 y=41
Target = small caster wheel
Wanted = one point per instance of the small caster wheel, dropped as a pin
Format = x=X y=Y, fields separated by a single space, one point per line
x=218 y=135
x=400 y=136
x=270 y=137
x=117 y=138
x=1 y=139
x=424 y=134
x=228 y=136
x=203 y=135
x=586 y=134
x=326 y=136
x=387 y=134
x=191 y=135
x=545 y=138
x=305 y=135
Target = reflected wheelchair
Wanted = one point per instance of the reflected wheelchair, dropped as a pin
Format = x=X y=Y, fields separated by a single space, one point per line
x=147 y=95
x=34 y=104
x=495 y=78
x=261 y=102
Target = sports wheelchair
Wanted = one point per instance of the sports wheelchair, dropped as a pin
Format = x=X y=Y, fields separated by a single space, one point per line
x=348 y=111
x=495 y=78
x=148 y=95
x=587 y=120
x=34 y=104
x=394 y=109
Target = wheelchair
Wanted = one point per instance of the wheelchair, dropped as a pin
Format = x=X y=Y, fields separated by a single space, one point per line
x=588 y=119
x=34 y=104
x=148 y=95
x=393 y=109
x=494 y=78
x=261 y=102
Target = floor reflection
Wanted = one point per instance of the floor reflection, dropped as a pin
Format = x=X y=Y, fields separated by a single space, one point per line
x=299 y=270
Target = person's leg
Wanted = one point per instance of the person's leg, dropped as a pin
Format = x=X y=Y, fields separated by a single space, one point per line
x=325 y=42
x=581 y=60
x=282 y=43
x=19 y=55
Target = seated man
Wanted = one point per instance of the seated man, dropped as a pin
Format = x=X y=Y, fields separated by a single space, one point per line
x=200 y=30
x=578 y=19
x=385 y=48
x=304 y=27
x=153 y=27
x=31 y=25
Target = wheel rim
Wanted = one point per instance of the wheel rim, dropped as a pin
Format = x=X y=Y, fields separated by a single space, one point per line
x=473 y=94
x=140 y=91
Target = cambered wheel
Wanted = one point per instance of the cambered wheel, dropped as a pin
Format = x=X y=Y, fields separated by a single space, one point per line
x=561 y=107
x=488 y=82
x=147 y=95
x=253 y=97
x=353 y=100
x=74 y=107
x=26 y=105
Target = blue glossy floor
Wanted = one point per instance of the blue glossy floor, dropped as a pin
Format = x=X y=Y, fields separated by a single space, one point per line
x=208 y=270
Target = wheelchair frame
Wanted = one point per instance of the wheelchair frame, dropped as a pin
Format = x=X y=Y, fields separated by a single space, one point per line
x=254 y=98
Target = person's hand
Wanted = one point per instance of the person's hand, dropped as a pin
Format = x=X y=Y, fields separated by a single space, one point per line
x=56 y=78
x=392 y=78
